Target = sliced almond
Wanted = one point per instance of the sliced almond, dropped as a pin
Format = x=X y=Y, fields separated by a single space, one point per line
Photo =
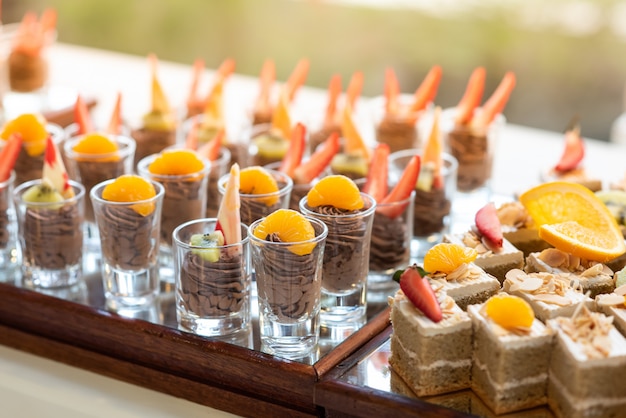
x=552 y=299
x=611 y=299
x=530 y=284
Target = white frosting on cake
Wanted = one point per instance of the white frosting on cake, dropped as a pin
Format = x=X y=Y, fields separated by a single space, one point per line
x=487 y=257
x=435 y=364
x=454 y=319
x=617 y=353
x=580 y=404
x=475 y=282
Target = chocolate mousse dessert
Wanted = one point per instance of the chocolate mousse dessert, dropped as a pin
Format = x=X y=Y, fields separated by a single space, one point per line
x=389 y=247
x=286 y=300
x=213 y=288
x=397 y=133
x=184 y=201
x=125 y=236
x=472 y=150
x=430 y=211
x=93 y=172
x=27 y=72
x=253 y=208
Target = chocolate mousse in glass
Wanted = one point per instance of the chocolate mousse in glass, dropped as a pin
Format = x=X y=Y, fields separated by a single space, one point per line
x=9 y=254
x=51 y=235
x=267 y=145
x=212 y=282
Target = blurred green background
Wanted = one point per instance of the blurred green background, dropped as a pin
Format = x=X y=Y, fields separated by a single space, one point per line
x=568 y=55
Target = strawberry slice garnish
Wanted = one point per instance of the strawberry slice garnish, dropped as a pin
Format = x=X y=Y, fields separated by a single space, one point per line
x=574 y=151
x=9 y=154
x=211 y=150
x=54 y=171
x=472 y=96
x=376 y=183
x=294 y=154
x=419 y=291
x=82 y=116
x=315 y=165
x=402 y=189
x=488 y=224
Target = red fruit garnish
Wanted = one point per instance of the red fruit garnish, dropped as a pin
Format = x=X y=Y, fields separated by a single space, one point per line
x=294 y=154
x=9 y=154
x=297 y=78
x=472 y=96
x=574 y=151
x=488 y=224
x=376 y=183
x=427 y=91
x=419 y=291
x=313 y=167
x=211 y=150
x=402 y=190
x=334 y=91
x=495 y=104
x=82 y=116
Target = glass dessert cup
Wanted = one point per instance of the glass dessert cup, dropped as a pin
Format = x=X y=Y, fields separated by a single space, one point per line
x=289 y=292
x=30 y=167
x=474 y=149
x=51 y=238
x=432 y=211
x=390 y=246
x=257 y=206
x=346 y=264
x=130 y=247
x=150 y=142
x=213 y=285
x=265 y=147
x=396 y=130
x=184 y=200
x=10 y=256
x=91 y=169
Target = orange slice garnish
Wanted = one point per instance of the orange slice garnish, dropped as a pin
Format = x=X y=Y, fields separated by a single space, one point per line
x=97 y=145
x=289 y=226
x=32 y=127
x=509 y=311
x=338 y=191
x=131 y=188
x=257 y=180
x=176 y=163
x=446 y=257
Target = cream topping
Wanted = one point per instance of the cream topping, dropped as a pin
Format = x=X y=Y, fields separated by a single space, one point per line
x=553 y=260
x=549 y=288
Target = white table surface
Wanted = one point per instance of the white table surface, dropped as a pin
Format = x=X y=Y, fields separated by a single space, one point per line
x=31 y=386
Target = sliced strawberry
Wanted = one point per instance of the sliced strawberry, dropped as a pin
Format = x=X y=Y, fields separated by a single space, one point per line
x=115 y=124
x=353 y=91
x=402 y=190
x=54 y=170
x=496 y=103
x=281 y=119
x=9 y=154
x=191 y=141
x=472 y=96
x=354 y=143
x=211 y=150
x=433 y=150
x=574 y=151
x=297 y=78
x=392 y=91
x=294 y=154
x=266 y=80
x=334 y=91
x=192 y=99
x=315 y=165
x=82 y=116
x=488 y=224
x=419 y=291
x=228 y=217
x=377 y=176
x=427 y=91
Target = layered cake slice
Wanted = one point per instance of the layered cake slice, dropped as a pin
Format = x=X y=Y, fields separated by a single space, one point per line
x=451 y=268
x=431 y=344
x=614 y=304
x=592 y=276
x=587 y=367
x=496 y=255
x=550 y=295
x=511 y=354
x=519 y=228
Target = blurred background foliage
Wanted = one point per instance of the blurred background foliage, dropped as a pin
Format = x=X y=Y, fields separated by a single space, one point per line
x=568 y=55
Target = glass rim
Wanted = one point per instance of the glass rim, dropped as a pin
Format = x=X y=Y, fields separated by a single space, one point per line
x=445 y=156
x=93 y=194
x=175 y=233
x=317 y=239
x=129 y=146
x=306 y=211
x=221 y=185
x=20 y=189
x=142 y=168
x=10 y=180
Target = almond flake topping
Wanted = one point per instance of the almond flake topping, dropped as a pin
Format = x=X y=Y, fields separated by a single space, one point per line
x=590 y=330
x=464 y=272
x=562 y=260
x=545 y=287
x=514 y=214
x=611 y=299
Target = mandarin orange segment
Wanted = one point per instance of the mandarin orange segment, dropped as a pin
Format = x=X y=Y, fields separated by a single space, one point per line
x=257 y=180
x=176 y=163
x=288 y=226
x=338 y=191
x=32 y=127
x=131 y=188
x=509 y=311
x=97 y=144
x=446 y=257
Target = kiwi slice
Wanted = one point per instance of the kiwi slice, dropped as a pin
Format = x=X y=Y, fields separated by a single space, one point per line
x=349 y=164
x=271 y=146
x=208 y=243
x=43 y=193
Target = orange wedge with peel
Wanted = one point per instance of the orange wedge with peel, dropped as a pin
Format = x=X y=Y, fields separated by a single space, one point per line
x=256 y=180
x=510 y=312
x=289 y=226
x=131 y=188
x=446 y=257
x=32 y=128
x=336 y=190
x=572 y=218
x=432 y=156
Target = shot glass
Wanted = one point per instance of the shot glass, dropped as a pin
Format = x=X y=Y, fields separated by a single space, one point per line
x=298 y=191
x=91 y=169
x=185 y=200
x=390 y=246
x=29 y=164
x=432 y=210
x=129 y=238
x=397 y=129
x=346 y=263
x=212 y=284
x=51 y=238
x=265 y=146
x=10 y=257
x=289 y=280
x=257 y=206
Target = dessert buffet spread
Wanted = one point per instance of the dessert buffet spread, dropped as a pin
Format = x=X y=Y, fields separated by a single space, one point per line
x=279 y=242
